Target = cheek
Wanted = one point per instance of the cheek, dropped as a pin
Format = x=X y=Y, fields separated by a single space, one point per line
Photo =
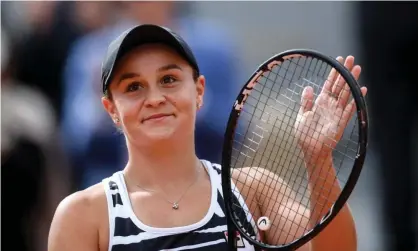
x=129 y=112
x=186 y=115
x=185 y=103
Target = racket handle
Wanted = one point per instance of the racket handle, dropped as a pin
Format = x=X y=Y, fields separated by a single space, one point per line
x=232 y=236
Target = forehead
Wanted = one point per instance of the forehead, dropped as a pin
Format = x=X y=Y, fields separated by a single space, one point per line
x=151 y=54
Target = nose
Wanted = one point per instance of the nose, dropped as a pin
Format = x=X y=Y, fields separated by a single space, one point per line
x=154 y=98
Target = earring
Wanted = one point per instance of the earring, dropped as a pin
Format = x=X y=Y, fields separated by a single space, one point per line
x=117 y=120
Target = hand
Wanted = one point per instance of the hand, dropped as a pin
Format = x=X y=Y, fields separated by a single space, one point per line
x=320 y=124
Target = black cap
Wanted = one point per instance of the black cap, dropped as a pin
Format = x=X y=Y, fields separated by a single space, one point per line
x=143 y=34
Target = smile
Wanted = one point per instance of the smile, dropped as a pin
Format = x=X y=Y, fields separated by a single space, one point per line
x=157 y=117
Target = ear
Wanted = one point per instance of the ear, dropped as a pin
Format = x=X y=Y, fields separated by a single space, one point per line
x=110 y=107
x=200 y=90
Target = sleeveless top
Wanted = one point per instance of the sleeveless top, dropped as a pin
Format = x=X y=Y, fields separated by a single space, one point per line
x=128 y=233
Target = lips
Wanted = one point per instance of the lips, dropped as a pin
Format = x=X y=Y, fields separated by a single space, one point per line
x=156 y=117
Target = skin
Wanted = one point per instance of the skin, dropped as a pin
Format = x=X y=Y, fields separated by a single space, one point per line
x=152 y=80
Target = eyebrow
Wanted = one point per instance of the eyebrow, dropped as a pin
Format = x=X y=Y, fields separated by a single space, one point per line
x=170 y=67
x=129 y=75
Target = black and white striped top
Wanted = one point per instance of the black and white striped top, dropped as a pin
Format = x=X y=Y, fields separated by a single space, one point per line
x=128 y=233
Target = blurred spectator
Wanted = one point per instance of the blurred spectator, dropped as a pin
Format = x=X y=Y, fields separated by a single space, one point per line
x=34 y=174
x=389 y=43
x=48 y=30
x=90 y=136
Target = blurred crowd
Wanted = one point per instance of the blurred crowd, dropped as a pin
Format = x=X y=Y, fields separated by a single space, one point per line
x=56 y=138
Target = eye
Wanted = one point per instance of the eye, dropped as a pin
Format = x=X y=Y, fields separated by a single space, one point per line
x=133 y=87
x=168 y=80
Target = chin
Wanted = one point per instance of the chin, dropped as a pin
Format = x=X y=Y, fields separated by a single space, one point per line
x=160 y=134
x=150 y=136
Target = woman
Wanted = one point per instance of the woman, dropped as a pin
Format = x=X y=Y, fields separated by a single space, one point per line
x=165 y=198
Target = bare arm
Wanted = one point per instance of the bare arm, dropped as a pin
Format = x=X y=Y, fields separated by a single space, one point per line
x=270 y=196
x=341 y=232
x=277 y=203
x=74 y=226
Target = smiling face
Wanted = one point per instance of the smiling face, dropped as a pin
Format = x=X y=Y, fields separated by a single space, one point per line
x=154 y=95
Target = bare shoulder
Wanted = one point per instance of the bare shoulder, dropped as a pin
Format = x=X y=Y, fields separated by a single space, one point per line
x=78 y=219
x=83 y=203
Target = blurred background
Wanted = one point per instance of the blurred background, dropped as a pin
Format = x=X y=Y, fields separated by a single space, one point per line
x=57 y=139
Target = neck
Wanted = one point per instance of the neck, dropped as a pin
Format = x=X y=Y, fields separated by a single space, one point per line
x=168 y=167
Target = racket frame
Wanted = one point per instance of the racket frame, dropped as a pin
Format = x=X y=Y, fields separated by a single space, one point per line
x=362 y=121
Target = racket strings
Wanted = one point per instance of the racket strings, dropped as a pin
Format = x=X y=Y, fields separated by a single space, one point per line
x=265 y=139
x=324 y=179
x=287 y=141
x=287 y=155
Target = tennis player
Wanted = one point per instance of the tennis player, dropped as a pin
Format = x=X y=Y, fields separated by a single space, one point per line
x=166 y=198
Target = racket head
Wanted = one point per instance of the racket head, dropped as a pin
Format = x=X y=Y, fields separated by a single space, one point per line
x=361 y=122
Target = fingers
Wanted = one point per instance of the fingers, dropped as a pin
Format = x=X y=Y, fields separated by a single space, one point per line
x=331 y=78
x=356 y=72
x=363 y=91
x=345 y=94
x=306 y=100
x=340 y=81
x=351 y=108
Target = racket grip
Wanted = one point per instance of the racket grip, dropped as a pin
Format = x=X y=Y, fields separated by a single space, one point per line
x=232 y=236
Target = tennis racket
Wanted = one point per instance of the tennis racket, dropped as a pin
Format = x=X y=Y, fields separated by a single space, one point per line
x=293 y=151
